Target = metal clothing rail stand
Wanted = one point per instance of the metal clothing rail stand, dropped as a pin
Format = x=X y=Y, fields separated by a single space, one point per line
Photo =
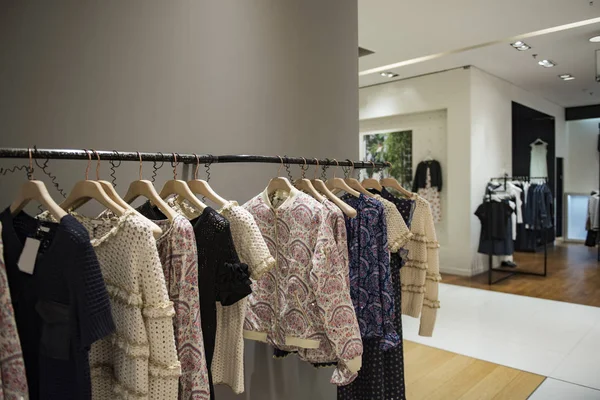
x=488 y=200
x=185 y=158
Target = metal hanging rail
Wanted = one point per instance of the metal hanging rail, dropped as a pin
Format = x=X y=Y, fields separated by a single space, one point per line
x=186 y=158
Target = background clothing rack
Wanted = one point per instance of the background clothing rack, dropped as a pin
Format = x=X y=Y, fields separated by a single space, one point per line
x=185 y=158
x=488 y=199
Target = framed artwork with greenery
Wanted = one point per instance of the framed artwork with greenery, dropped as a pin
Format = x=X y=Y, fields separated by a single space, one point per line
x=395 y=147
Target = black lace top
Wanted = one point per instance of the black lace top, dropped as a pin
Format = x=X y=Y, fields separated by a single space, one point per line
x=61 y=308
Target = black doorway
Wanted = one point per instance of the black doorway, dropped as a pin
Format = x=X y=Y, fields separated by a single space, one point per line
x=559 y=196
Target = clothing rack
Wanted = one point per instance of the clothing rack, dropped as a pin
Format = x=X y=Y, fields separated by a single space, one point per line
x=185 y=158
x=488 y=198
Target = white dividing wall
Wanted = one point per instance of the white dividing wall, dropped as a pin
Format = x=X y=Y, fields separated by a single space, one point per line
x=220 y=77
x=429 y=134
x=444 y=91
x=491 y=138
x=581 y=164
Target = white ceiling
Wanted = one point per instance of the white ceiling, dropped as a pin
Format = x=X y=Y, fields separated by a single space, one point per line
x=404 y=30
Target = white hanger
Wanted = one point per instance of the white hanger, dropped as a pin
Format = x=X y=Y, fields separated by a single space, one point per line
x=85 y=190
x=36 y=190
x=279 y=182
x=537 y=142
x=145 y=188
x=321 y=187
x=181 y=189
x=428 y=157
x=199 y=186
x=306 y=186
x=339 y=183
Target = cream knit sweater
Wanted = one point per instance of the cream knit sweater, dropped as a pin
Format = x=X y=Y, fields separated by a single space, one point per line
x=397 y=231
x=421 y=273
x=140 y=360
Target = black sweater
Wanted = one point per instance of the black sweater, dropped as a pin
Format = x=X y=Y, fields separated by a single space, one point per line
x=421 y=175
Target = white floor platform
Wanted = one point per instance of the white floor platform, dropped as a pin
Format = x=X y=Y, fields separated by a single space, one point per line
x=551 y=389
x=550 y=338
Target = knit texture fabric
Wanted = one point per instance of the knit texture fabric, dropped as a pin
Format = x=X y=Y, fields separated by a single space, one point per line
x=13 y=383
x=179 y=259
x=421 y=273
x=228 y=359
x=304 y=299
x=215 y=252
x=397 y=230
x=61 y=309
x=140 y=360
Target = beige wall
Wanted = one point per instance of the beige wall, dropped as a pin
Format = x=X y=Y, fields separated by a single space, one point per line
x=220 y=77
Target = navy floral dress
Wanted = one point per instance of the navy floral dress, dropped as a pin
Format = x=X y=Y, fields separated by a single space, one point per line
x=382 y=372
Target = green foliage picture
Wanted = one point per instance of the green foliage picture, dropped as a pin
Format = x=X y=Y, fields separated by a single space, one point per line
x=395 y=147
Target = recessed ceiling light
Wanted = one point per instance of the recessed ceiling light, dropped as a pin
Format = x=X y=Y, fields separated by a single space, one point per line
x=389 y=74
x=595 y=39
x=521 y=46
x=547 y=63
x=566 y=77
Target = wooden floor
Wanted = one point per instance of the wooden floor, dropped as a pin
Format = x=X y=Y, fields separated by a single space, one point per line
x=437 y=374
x=573 y=276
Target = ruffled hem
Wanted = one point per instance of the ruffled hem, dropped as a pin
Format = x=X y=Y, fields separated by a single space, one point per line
x=422 y=265
x=119 y=389
x=124 y=296
x=413 y=288
x=431 y=303
x=265 y=266
x=163 y=371
x=131 y=349
x=433 y=277
x=156 y=311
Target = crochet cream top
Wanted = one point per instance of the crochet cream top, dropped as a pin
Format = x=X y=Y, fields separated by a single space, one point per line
x=140 y=360
x=397 y=231
x=421 y=273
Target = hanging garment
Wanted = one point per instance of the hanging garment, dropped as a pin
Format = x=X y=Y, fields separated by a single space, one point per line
x=421 y=273
x=61 y=309
x=496 y=228
x=228 y=360
x=432 y=195
x=216 y=259
x=179 y=259
x=435 y=173
x=141 y=357
x=538 y=166
x=398 y=232
x=370 y=284
x=13 y=382
x=304 y=299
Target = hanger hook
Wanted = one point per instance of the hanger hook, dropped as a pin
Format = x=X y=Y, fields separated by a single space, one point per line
x=280 y=166
x=337 y=166
x=348 y=170
x=30 y=170
x=287 y=168
x=155 y=168
x=324 y=168
x=113 y=167
x=97 y=164
x=174 y=164
x=87 y=169
x=197 y=166
x=207 y=166
x=316 y=168
x=140 y=166
x=304 y=168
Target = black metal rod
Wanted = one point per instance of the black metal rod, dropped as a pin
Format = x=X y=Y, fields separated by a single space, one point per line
x=186 y=158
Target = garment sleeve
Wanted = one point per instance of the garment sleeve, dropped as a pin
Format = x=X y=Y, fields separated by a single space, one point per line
x=390 y=337
x=253 y=248
x=188 y=331
x=164 y=368
x=418 y=177
x=329 y=280
x=431 y=301
x=438 y=174
x=93 y=304
x=397 y=232
x=233 y=276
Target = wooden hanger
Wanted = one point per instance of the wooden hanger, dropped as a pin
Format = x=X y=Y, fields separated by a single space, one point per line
x=394 y=184
x=279 y=182
x=145 y=188
x=199 y=186
x=36 y=190
x=321 y=187
x=339 y=183
x=85 y=190
x=372 y=183
x=306 y=186
x=355 y=184
x=181 y=189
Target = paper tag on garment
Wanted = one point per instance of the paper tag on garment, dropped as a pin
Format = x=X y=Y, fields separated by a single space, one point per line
x=29 y=255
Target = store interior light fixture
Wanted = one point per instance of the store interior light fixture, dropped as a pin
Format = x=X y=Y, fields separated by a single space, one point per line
x=389 y=74
x=595 y=39
x=547 y=63
x=566 y=77
x=520 y=45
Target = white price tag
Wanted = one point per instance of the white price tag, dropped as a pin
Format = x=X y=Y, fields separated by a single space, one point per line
x=28 y=255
